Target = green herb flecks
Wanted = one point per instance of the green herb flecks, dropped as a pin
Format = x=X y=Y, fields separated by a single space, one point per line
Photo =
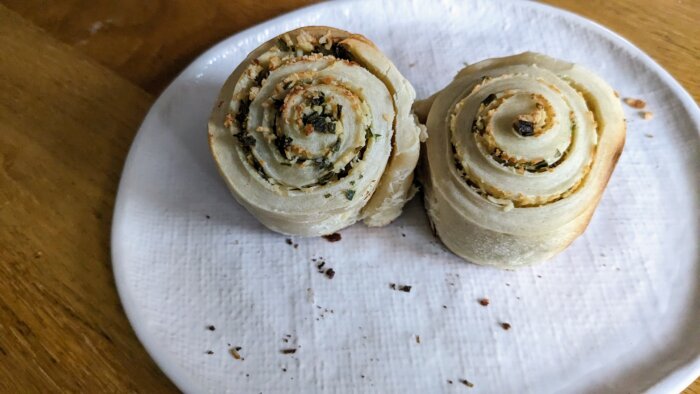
x=336 y=146
x=283 y=142
x=261 y=76
x=242 y=114
x=325 y=178
x=341 y=52
x=320 y=123
x=524 y=128
x=245 y=139
x=349 y=194
x=540 y=164
x=282 y=45
x=327 y=195
x=323 y=163
x=318 y=100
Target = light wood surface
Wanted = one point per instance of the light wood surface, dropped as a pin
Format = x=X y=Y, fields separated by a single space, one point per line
x=76 y=79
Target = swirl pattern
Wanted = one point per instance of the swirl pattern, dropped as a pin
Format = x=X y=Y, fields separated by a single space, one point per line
x=520 y=150
x=314 y=132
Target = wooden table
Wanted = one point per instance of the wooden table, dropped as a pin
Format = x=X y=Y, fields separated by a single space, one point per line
x=76 y=79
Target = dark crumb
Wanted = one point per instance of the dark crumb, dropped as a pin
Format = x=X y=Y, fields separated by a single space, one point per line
x=289 y=241
x=444 y=307
x=238 y=348
x=404 y=288
x=247 y=375
x=505 y=326
x=313 y=259
x=335 y=237
x=417 y=338
x=321 y=264
x=228 y=344
x=484 y=301
x=296 y=246
x=284 y=369
x=208 y=217
x=449 y=381
x=508 y=284
x=219 y=105
x=211 y=328
x=330 y=273
x=288 y=351
x=288 y=335
x=285 y=340
x=539 y=276
x=362 y=376
x=403 y=235
x=210 y=352
x=466 y=382
x=318 y=307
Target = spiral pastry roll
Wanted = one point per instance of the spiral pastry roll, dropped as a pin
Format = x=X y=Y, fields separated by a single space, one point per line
x=314 y=131
x=519 y=152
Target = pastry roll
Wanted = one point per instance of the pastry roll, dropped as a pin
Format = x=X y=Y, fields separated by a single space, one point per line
x=313 y=131
x=519 y=152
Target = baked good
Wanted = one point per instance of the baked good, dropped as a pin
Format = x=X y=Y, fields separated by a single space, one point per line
x=519 y=152
x=313 y=131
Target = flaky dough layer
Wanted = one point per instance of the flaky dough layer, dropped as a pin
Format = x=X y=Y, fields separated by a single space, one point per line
x=314 y=131
x=519 y=152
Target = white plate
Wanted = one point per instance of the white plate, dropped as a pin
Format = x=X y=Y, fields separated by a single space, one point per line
x=618 y=311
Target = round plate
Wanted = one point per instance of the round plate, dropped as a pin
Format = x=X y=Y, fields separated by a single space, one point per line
x=617 y=311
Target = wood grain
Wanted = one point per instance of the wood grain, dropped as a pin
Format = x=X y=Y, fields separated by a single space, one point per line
x=667 y=30
x=148 y=42
x=67 y=124
x=71 y=99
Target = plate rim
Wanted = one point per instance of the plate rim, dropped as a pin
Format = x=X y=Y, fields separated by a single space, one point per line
x=674 y=381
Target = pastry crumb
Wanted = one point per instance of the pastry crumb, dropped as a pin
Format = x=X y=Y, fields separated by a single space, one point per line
x=466 y=382
x=646 y=115
x=484 y=302
x=634 y=103
x=235 y=354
